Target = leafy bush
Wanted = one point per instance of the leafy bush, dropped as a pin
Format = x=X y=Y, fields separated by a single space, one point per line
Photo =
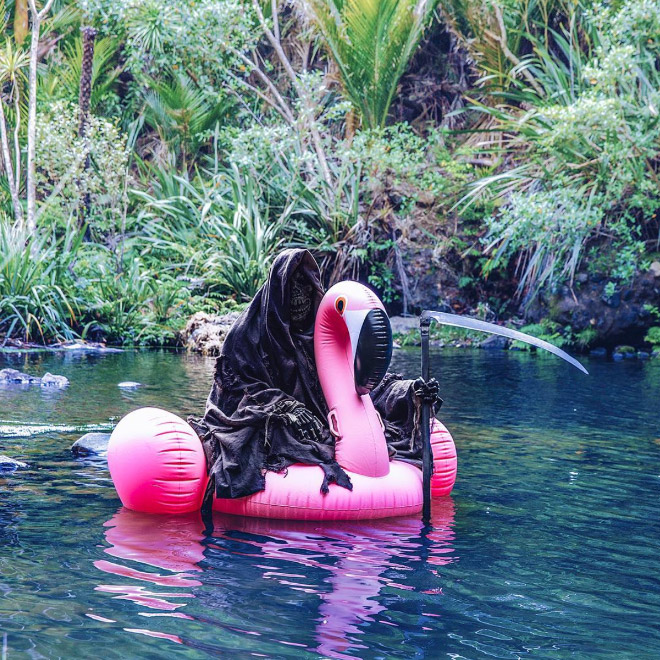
x=35 y=283
x=126 y=302
x=547 y=230
x=62 y=175
x=547 y=330
x=165 y=36
x=219 y=229
x=371 y=44
x=584 y=145
x=653 y=336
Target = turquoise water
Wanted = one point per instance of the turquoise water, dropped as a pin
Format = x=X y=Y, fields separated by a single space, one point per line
x=548 y=547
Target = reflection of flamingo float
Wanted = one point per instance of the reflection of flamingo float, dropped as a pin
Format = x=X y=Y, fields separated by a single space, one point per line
x=158 y=465
x=363 y=553
x=357 y=556
x=172 y=544
x=169 y=543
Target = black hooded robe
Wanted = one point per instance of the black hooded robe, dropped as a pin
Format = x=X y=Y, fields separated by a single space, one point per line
x=264 y=363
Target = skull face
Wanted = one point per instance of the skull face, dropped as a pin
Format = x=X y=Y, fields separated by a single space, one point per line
x=301 y=300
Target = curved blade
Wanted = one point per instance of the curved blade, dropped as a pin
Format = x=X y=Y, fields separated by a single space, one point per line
x=475 y=324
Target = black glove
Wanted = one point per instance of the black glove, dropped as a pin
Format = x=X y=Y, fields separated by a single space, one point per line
x=427 y=392
x=302 y=421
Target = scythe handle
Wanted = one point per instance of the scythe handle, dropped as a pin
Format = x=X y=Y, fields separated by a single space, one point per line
x=427 y=455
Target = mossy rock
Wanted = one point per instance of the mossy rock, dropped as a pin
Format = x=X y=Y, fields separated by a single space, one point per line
x=625 y=350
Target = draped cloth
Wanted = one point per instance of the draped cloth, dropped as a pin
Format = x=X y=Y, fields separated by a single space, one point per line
x=265 y=363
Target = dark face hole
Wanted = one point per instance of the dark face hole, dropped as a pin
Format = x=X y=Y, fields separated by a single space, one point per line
x=374 y=351
x=300 y=300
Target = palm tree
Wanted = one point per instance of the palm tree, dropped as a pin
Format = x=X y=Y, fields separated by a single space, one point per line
x=371 y=42
x=182 y=114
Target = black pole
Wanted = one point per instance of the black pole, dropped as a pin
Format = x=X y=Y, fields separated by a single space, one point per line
x=427 y=456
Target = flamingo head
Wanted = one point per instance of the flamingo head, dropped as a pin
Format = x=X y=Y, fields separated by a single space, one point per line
x=352 y=316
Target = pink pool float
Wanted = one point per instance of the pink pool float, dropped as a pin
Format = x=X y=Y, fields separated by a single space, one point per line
x=158 y=465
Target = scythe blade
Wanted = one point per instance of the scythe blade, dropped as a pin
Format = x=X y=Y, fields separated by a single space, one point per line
x=482 y=326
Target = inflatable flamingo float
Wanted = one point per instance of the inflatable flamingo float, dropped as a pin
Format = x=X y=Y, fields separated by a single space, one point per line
x=158 y=466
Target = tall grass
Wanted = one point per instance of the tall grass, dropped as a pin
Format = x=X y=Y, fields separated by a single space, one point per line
x=35 y=283
x=219 y=229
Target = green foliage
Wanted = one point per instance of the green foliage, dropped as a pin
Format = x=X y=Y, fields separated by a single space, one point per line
x=127 y=303
x=653 y=336
x=585 y=146
x=219 y=229
x=546 y=230
x=62 y=176
x=371 y=41
x=380 y=274
x=586 y=337
x=249 y=240
x=182 y=115
x=169 y=36
x=653 y=311
x=35 y=282
x=424 y=167
x=62 y=79
x=549 y=331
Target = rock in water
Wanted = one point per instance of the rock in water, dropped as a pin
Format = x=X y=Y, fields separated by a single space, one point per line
x=9 y=465
x=15 y=376
x=129 y=385
x=205 y=333
x=494 y=342
x=91 y=444
x=52 y=380
x=49 y=380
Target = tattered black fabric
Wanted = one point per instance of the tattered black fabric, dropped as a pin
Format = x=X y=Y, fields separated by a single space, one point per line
x=266 y=365
x=395 y=400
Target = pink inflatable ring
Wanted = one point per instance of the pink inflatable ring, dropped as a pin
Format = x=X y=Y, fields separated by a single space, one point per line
x=157 y=462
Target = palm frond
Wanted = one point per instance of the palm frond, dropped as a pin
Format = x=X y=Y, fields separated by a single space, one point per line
x=371 y=42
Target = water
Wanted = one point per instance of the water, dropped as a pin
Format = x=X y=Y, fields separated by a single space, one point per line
x=547 y=548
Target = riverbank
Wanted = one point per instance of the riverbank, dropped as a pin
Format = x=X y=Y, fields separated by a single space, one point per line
x=622 y=326
x=205 y=334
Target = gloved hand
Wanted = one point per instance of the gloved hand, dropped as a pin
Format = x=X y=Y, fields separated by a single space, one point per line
x=428 y=392
x=304 y=423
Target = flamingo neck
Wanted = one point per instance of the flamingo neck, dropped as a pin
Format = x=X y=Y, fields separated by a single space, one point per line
x=360 y=446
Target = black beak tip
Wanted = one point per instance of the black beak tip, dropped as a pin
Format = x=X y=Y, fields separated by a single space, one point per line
x=374 y=351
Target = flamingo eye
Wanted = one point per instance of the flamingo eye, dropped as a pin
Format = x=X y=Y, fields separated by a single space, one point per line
x=340 y=305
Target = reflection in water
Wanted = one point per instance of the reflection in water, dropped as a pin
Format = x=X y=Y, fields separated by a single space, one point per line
x=345 y=564
x=172 y=543
x=355 y=558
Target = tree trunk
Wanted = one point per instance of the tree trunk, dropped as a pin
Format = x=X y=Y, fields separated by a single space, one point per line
x=86 y=70
x=20 y=21
x=9 y=170
x=31 y=186
x=84 y=98
x=32 y=126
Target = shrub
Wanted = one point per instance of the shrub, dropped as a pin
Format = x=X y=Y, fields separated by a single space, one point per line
x=36 y=299
x=653 y=336
x=581 y=159
x=62 y=177
x=546 y=230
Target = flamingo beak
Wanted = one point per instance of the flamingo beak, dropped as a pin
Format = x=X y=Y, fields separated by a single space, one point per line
x=371 y=343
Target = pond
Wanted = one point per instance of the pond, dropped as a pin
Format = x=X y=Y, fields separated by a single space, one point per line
x=547 y=548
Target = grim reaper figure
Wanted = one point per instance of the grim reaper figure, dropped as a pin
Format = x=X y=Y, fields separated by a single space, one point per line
x=266 y=409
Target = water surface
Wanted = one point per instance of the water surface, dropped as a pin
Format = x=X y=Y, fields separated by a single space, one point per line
x=547 y=548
